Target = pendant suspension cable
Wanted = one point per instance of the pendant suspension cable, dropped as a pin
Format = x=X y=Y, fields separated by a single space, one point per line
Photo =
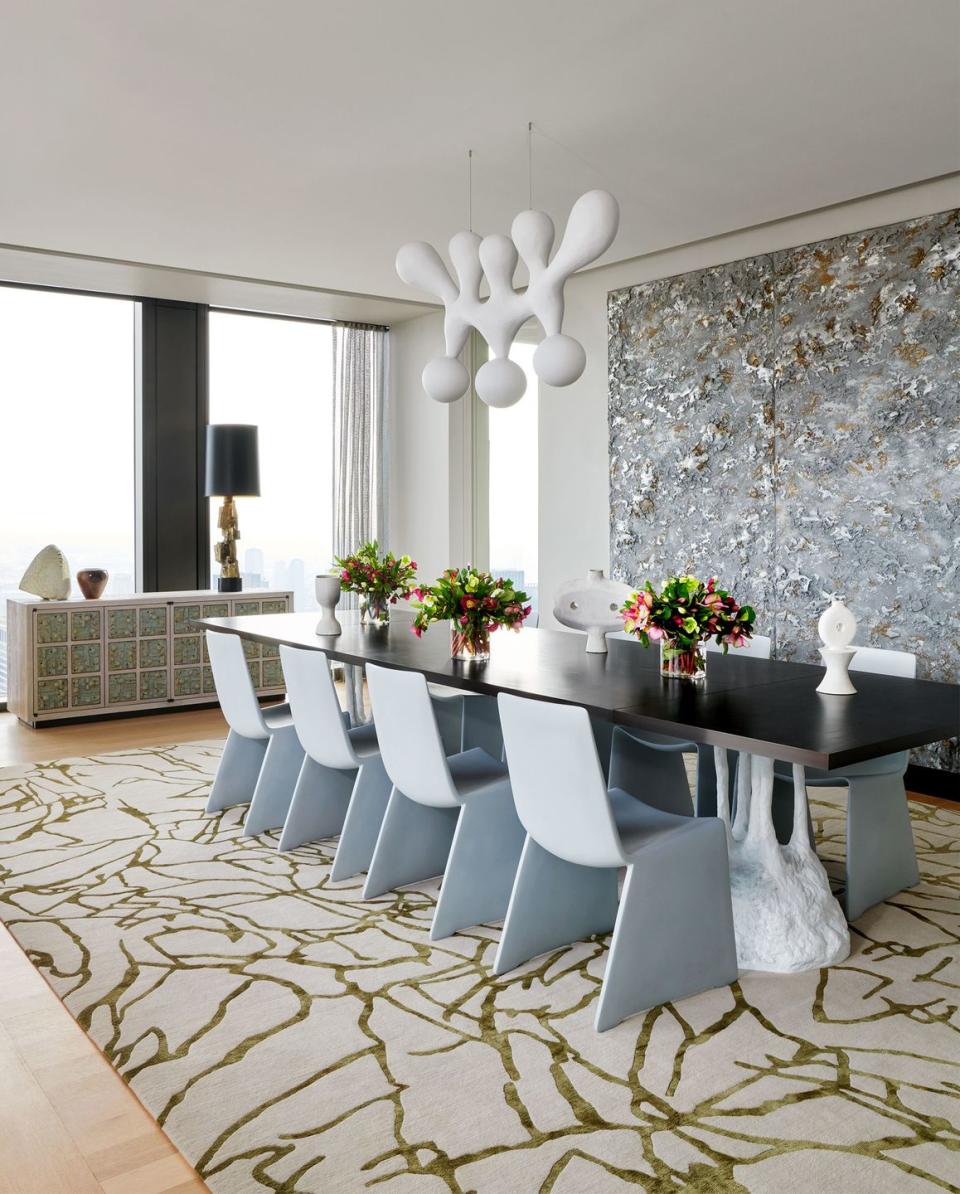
x=470 y=189
x=530 y=164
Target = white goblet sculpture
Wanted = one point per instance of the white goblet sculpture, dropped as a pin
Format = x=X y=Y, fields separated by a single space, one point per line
x=328 y=594
x=837 y=628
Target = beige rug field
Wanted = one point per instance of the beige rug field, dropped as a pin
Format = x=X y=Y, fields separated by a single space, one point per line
x=290 y=1036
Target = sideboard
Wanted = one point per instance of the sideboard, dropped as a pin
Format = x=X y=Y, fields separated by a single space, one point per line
x=68 y=659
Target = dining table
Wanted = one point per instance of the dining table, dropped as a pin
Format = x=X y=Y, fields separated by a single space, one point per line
x=746 y=716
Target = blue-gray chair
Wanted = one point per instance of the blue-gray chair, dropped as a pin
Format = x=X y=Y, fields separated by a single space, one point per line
x=642 y=757
x=673 y=926
x=880 y=855
x=451 y=816
x=262 y=756
x=342 y=787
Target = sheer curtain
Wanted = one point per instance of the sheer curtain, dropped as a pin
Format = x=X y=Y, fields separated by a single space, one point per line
x=359 y=458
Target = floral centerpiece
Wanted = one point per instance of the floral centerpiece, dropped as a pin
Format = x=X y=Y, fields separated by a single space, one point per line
x=475 y=604
x=380 y=580
x=685 y=613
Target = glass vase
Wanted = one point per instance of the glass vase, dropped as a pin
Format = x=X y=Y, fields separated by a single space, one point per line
x=374 y=609
x=682 y=663
x=470 y=643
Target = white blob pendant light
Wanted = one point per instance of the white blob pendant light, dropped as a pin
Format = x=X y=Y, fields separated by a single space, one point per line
x=559 y=360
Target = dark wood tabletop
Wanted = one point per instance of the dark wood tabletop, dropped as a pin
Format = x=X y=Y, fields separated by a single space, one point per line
x=767 y=707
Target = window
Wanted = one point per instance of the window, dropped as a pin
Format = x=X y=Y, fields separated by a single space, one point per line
x=513 y=482
x=67 y=395
x=278 y=374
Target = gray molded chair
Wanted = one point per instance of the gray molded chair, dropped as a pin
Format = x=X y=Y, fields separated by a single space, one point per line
x=673 y=926
x=642 y=757
x=261 y=759
x=342 y=787
x=451 y=816
x=881 y=859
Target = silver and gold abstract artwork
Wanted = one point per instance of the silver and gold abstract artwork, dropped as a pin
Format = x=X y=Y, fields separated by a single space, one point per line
x=791 y=422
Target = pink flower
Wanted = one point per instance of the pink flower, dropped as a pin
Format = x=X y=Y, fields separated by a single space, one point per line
x=344 y=575
x=655 y=633
x=417 y=631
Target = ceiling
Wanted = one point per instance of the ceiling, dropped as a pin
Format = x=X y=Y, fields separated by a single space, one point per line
x=303 y=141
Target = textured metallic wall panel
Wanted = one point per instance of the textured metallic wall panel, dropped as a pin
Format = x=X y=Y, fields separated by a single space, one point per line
x=792 y=424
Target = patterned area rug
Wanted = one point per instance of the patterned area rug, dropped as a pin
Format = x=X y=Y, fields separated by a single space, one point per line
x=289 y=1036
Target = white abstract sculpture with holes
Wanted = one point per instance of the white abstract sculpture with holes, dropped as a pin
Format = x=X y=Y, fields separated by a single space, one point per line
x=559 y=360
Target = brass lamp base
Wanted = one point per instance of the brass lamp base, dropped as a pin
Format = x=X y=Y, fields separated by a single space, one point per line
x=225 y=552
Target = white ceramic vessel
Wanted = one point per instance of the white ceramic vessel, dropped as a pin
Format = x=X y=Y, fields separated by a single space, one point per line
x=328 y=595
x=837 y=627
x=592 y=605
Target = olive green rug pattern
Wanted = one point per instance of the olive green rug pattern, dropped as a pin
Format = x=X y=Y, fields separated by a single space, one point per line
x=290 y=1036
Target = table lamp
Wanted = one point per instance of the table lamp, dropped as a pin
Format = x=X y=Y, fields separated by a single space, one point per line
x=233 y=470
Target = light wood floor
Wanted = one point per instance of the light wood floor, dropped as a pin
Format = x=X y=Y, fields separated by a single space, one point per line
x=68 y=1123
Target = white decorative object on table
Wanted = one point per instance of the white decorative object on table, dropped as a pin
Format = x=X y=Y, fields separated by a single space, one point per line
x=837 y=627
x=592 y=605
x=328 y=595
x=785 y=916
x=47 y=575
x=559 y=360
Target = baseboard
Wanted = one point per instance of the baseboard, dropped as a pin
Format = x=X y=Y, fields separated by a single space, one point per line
x=930 y=781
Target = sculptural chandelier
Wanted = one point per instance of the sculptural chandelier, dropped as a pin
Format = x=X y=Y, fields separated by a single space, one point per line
x=559 y=360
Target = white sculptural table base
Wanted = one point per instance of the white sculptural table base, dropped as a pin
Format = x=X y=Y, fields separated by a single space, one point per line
x=784 y=914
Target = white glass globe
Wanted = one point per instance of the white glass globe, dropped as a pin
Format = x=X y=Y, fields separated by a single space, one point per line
x=500 y=382
x=559 y=360
x=445 y=379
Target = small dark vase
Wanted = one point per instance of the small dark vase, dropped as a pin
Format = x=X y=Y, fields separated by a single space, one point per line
x=92 y=582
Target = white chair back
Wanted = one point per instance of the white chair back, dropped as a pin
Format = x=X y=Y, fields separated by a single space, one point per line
x=316 y=709
x=558 y=785
x=883 y=662
x=410 y=744
x=235 y=691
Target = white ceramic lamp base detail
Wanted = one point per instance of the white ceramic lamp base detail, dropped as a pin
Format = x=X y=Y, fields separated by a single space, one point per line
x=785 y=916
x=328 y=596
x=592 y=605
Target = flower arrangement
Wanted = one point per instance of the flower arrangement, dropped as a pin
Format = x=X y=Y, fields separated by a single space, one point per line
x=475 y=604
x=380 y=580
x=683 y=614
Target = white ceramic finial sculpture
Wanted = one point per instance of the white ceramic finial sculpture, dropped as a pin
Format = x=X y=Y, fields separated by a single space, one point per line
x=837 y=627
x=592 y=605
x=328 y=596
x=47 y=575
x=559 y=360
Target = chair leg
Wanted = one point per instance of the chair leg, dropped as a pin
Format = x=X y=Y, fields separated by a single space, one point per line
x=881 y=859
x=413 y=844
x=368 y=803
x=319 y=804
x=674 y=932
x=657 y=777
x=238 y=772
x=482 y=865
x=278 y=778
x=554 y=903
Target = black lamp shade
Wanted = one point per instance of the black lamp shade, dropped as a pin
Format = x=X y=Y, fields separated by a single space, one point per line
x=233 y=462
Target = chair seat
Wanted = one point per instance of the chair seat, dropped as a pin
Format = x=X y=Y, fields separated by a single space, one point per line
x=363 y=739
x=475 y=769
x=638 y=824
x=657 y=741
x=442 y=692
x=885 y=765
x=278 y=717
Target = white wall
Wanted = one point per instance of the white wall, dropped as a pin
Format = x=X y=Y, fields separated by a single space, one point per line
x=574 y=509
x=418 y=461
